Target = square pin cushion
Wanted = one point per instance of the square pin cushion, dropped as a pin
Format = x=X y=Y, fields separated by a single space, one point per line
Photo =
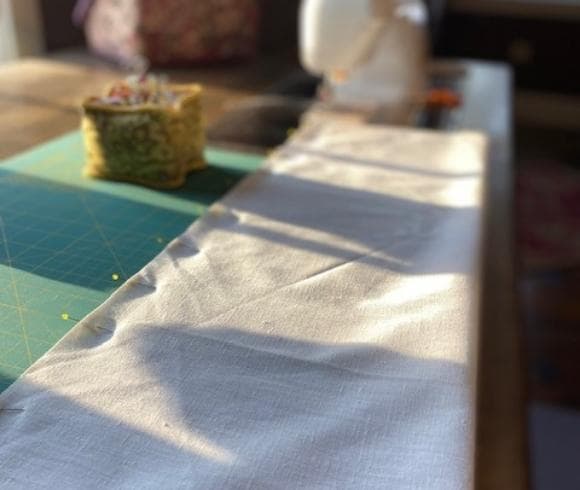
x=145 y=132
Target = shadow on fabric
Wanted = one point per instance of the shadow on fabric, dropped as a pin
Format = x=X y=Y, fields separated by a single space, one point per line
x=224 y=408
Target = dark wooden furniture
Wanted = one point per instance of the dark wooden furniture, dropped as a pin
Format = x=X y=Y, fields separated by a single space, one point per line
x=540 y=38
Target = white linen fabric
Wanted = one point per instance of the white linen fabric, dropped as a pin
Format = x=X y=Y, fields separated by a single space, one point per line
x=313 y=330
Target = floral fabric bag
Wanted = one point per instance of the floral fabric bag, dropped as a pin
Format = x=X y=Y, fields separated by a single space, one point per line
x=170 y=31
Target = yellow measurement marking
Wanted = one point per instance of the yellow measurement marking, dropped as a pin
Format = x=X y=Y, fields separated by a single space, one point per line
x=59 y=252
x=100 y=231
x=19 y=306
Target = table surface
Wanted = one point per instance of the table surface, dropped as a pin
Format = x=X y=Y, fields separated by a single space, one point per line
x=40 y=98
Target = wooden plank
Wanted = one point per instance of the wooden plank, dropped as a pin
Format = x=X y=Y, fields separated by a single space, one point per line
x=501 y=460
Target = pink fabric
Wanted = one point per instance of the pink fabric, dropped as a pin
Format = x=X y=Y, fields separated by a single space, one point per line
x=548 y=194
x=81 y=11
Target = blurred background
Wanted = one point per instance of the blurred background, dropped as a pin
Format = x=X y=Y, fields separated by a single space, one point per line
x=539 y=39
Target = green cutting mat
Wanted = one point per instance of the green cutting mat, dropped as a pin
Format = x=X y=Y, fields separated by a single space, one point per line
x=67 y=242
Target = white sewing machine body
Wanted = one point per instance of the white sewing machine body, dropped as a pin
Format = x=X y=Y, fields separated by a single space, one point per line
x=370 y=52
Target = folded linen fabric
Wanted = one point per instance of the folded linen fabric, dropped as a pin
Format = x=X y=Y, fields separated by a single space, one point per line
x=315 y=329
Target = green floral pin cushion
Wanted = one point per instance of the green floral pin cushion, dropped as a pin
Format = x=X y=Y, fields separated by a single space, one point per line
x=144 y=131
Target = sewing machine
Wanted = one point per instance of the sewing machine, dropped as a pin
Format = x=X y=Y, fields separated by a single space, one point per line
x=370 y=53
